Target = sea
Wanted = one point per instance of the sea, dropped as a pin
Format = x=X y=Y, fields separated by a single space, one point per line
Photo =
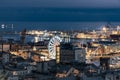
x=33 y=18
x=52 y=26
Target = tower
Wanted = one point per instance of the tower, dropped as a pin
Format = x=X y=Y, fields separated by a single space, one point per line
x=23 y=35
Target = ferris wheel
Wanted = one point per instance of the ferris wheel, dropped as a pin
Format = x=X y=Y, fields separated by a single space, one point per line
x=55 y=41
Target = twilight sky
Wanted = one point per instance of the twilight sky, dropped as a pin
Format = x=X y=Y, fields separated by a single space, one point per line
x=61 y=3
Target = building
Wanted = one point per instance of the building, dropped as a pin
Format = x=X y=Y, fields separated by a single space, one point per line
x=104 y=63
x=42 y=67
x=66 y=52
x=5 y=57
x=4 y=46
x=15 y=71
x=80 y=55
x=13 y=78
x=69 y=53
x=112 y=76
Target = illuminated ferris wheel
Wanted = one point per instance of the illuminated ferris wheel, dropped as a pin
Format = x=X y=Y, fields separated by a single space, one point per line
x=55 y=41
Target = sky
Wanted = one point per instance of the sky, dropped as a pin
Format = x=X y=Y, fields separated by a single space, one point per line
x=59 y=10
x=61 y=3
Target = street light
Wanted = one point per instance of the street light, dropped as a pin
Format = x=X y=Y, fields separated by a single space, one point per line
x=104 y=29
